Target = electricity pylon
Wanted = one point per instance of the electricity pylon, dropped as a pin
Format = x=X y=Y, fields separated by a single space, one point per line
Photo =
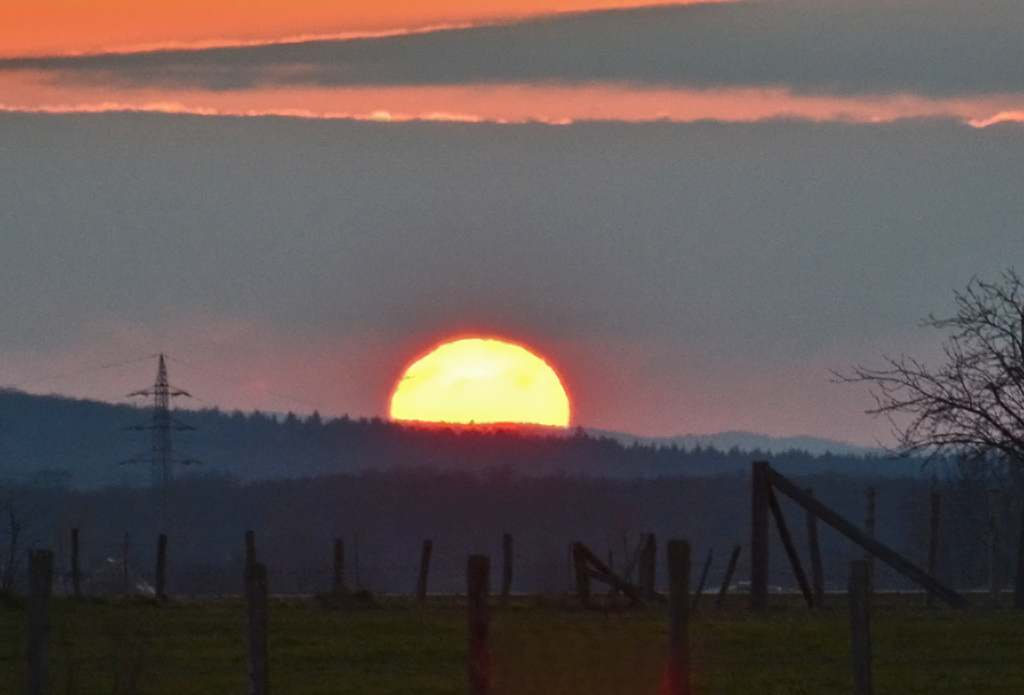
x=162 y=456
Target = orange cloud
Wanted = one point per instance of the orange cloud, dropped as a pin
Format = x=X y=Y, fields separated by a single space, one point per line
x=48 y=27
x=515 y=103
x=1001 y=117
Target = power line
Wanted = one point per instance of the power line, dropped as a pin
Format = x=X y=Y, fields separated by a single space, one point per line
x=82 y=372
x=242 y=382
x=238 y=381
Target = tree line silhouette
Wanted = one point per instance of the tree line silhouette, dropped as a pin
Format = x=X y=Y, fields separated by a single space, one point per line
x=53 y=440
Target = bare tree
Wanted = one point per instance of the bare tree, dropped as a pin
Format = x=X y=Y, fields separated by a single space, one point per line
x=972 y=404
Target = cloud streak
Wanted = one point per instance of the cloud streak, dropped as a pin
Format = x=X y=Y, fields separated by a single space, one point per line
x=170 y=107
x=527 y=104
x=936 y=48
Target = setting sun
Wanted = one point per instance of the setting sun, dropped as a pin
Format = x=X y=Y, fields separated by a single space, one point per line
x=479 y=380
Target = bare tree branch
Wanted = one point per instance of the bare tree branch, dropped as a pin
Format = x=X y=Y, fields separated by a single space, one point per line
x=973 y=403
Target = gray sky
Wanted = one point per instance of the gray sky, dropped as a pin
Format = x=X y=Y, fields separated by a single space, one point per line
x=682 y=277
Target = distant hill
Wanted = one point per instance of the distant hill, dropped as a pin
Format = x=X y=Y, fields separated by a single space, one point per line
x=52 y=441
x=748 y=441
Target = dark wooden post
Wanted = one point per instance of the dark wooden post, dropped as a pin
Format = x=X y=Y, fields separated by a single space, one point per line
x=256 y=626
x=582 y=574
x=250 y=548
x=727 y=579
x=40 y=577
x=338 y=586
x=161 y=566
x=790 y=548
x=590 y=565
x=995 y=565
x=860 y=626
x=677 y=668
x=506 y=567
x=613 y=588
x=869 y=529
x=1018 y=584
x=355 y=563
x=759 y=510
x=814 y=548
x=125 y=574
x=570 y=566
x=703 y=578
x=76 y=566
x=851 y=531
x=421 y=581
x=934 y=519
x=478 y=664
x=647 y=565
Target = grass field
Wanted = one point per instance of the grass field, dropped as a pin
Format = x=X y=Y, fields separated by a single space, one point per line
x=128 y=646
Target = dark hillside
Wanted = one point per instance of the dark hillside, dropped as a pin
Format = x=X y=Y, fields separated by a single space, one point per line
x=50 y=440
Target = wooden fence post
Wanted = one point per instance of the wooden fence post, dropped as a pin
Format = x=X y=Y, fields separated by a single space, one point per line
x=677 y=671
x=880 y=550
x=40 y=576
x=250 y=548
x=506 y=567
x=338 y=585
x=1018 y=584
x=478 y=664
x=161 y=566
x=759 y=510
x=613 y=589
x=590 y=566
x=76 y=566
x=995 y=563
x=934 y=519
x=869 y=529
x=814 y=548
x=860 y=626
x=125 y=574
x=647 y=566
x=570 y=566
x=355 y=563
x=703 y=578
x=421 y=582
x=727 y=579
x=256 y=625
x=582 y=574
x=790 y=548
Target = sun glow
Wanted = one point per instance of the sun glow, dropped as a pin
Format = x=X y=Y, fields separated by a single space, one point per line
x=479 y=380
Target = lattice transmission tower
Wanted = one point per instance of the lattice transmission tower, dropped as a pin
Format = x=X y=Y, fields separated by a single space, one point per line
x=162 y=456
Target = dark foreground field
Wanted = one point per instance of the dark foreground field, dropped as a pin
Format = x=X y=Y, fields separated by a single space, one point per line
x=125 y=646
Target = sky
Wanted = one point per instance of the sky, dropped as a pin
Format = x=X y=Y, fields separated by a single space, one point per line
x=695 y=212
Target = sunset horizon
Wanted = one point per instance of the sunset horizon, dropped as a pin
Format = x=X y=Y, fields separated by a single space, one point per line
x=562 y=347
x=698 y=211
